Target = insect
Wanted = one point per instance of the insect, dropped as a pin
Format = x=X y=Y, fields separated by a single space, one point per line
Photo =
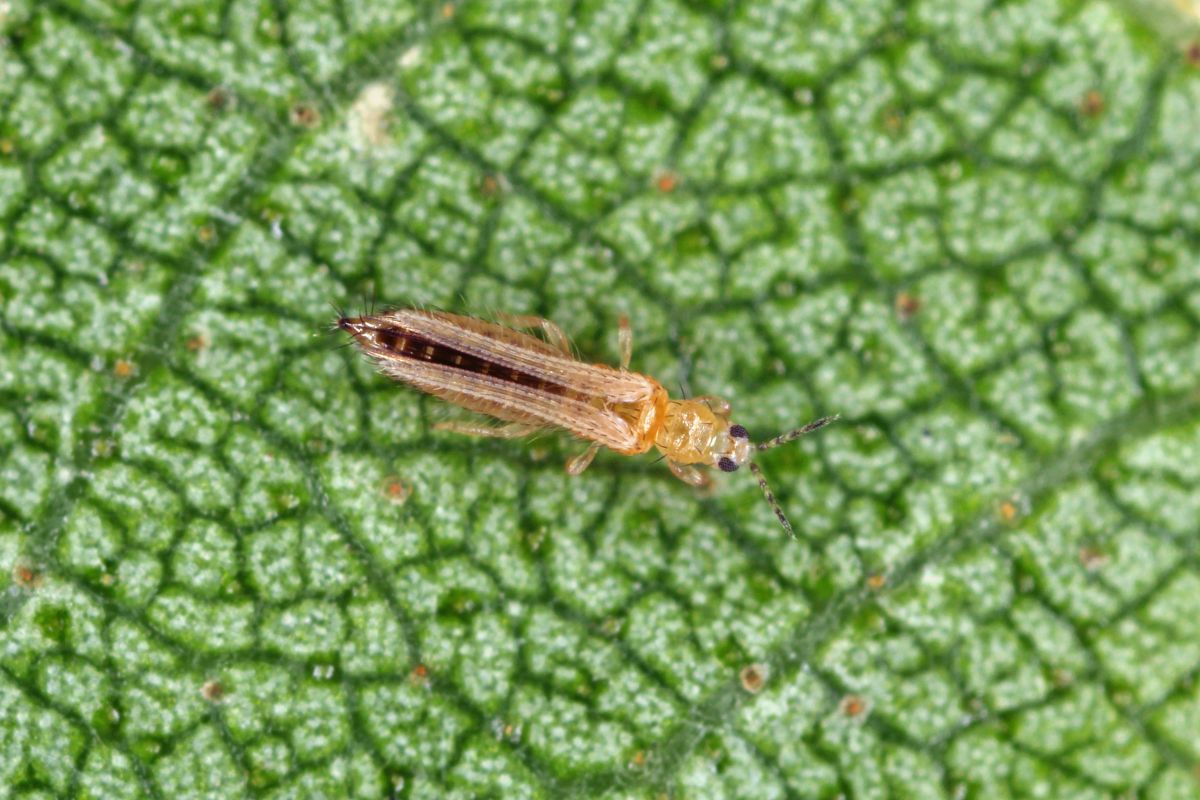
x=530 y=384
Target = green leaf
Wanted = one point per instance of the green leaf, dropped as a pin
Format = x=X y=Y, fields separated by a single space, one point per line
x=236 y=562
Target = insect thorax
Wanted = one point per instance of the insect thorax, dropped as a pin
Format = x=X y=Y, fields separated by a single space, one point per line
x=645 y=417
x=691 y=432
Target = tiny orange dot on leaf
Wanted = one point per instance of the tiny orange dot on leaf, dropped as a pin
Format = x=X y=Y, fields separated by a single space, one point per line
x=396 y=490
x=1091 y=104
x=419 y=675
x=25 y=576
x=853 y=705
x=907 y=305
x=894 y=121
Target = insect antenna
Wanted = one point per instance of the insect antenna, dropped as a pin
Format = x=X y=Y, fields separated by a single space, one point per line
x=767 y=493
x=784 y=438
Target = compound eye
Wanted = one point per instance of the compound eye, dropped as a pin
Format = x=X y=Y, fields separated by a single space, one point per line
x=738 y=432
x=727 y=464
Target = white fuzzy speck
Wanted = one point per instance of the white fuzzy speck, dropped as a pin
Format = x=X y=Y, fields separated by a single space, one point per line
x=369 y=114
x=410 y=57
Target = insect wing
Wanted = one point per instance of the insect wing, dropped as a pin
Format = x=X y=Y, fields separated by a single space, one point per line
x=495 y=370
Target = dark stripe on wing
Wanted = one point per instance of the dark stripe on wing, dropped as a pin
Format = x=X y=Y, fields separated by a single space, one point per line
x=407 y=344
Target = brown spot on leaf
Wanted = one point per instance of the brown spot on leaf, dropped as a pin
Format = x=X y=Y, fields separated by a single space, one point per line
x=206 y=234
x=218 y=99
x=491 y=186
x=6 y=147
x=1092 y=558
x=876 y=582
x=196 y=343
x=907 y=305
x=1191 y=53
x=124 y=369
x=1091 y=105
x=212 y=691
x=304 y=115
x=448 y=11
x=754 y=677
x=1008 y=511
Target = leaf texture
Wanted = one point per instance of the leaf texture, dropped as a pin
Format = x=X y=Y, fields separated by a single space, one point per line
x=238 y=563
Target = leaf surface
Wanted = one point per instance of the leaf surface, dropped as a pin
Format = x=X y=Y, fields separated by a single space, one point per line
x=236 y=562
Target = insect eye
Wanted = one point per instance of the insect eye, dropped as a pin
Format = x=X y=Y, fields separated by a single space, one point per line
x=727 y=464
x=738 y=432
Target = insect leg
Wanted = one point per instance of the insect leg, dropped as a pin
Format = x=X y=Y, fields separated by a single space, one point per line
x=554 y=334
x=625 y=340
x=784 y=438
x=513 y=430
x=582 y=461
x=691 y=475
